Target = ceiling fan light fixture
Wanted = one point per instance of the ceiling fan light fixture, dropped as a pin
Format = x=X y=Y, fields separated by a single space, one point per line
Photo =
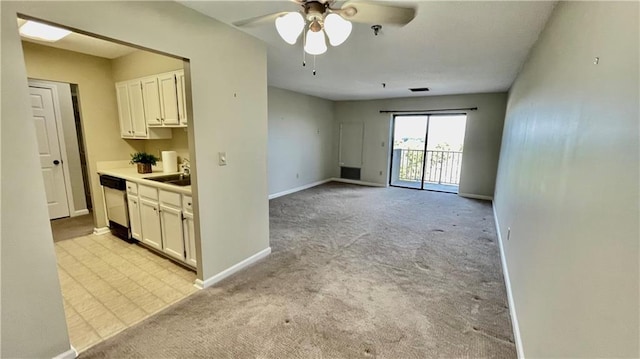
x=40 y=31
x=290 y=26
x=337 y=28
x=315 y=43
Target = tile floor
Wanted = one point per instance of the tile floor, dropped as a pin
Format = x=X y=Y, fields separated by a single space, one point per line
x=109 y=285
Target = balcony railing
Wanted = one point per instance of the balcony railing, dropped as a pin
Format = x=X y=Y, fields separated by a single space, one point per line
x=441 y=167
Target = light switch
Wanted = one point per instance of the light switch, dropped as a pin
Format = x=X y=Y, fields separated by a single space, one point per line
x=222 y=158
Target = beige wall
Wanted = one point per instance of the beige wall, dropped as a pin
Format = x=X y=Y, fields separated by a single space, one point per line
x=98 y=107
x=300 y=139
x=229 y=107
x=481 y=145
x=568 y=185
x=144 y=63
x=31 y=315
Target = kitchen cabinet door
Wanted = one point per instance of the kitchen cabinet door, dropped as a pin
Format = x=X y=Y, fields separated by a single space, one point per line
x=124 y=113
x=171 y=221
x=182 y=98
x=168 y=99
x=134 y=217
x=136 y=106
x=189 y=239
x=150 y=224
x=151 y=94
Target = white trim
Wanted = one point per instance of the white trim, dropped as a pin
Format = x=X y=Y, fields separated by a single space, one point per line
x=72 y=353
x=361 y=183
x=298 y=189
x=100 y=231
x=476 y=196
x=80 y=212
x=201 y=284
x=507 y=283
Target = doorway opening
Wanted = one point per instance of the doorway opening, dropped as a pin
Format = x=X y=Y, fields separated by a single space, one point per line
x=427 y=151
x=90 y=114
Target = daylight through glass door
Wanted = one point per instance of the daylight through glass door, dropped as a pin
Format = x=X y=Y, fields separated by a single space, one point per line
x=427 y=152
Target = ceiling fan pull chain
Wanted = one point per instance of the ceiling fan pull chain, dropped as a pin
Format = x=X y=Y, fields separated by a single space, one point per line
x=314 y=65
x=304 y=53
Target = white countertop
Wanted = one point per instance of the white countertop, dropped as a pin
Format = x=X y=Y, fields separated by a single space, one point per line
x=131 y=174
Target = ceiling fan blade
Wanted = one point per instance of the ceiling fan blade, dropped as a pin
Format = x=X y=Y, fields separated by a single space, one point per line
x=370 y=13
x=259 y=20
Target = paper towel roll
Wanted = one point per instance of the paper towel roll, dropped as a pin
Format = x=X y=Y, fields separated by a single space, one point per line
x=169 y=161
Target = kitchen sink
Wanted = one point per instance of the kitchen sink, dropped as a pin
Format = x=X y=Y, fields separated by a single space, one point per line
x=176 y=180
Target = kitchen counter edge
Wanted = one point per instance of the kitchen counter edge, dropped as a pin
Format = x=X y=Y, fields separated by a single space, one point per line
x=131 y=174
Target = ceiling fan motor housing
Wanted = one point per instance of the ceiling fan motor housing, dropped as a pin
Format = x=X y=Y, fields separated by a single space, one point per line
x=315 y=10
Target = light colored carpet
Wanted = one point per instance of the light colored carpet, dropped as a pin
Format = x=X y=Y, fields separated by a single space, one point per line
x=72 y=227
x=355 y=272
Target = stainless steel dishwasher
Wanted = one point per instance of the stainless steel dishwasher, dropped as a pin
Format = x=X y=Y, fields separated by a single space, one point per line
x=115 y=198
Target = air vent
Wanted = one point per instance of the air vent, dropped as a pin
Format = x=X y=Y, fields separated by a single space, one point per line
x=419 y=89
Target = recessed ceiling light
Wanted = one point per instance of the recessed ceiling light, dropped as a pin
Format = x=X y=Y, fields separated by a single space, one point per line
x=40 y=31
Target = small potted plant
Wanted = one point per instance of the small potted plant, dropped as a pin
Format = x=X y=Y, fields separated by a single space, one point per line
x=144 y=161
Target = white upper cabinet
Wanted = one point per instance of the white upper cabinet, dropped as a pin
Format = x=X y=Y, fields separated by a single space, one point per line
x=132 y=112
x=182 y=98
x=163 y=99
x=136 y=107
x=168 y=98
x=151 y=94
x=122 y=94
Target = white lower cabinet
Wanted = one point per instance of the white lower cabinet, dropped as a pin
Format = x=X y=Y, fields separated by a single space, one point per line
x=171 y=221
x=189 y=230
x=189 y=238
x=163 y=220
x=133 y=202
x=150 y=223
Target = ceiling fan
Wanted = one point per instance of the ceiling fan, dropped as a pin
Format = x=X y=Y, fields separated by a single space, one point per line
x=320 y=17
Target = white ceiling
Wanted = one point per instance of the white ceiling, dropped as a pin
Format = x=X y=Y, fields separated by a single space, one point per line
x=452 y=47
x=85 y=44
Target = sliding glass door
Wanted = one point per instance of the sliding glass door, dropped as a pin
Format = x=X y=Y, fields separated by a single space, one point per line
x=427 y=151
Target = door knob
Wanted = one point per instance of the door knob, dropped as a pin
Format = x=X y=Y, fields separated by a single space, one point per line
x=56 y=162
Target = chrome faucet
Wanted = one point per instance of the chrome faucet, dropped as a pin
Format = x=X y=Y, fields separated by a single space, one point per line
x=186 y=167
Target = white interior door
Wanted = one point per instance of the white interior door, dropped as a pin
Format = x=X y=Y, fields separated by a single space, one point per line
x=44 y=117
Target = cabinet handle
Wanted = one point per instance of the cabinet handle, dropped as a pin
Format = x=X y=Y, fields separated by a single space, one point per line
x=188 y=203
x=157 y=119
x=134 y=202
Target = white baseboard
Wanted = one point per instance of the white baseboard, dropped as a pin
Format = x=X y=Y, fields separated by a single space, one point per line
x=361 y=183
x=100 y=231
x=201 y=284
x=80 y=212
x=72 y=353
x=507 y=283
x=476 y=196
x=297 y=189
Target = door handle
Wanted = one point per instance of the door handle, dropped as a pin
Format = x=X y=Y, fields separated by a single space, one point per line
x=56 y=162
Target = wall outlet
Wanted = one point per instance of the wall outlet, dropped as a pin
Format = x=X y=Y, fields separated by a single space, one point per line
x=508 y=233
x=222 y=158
